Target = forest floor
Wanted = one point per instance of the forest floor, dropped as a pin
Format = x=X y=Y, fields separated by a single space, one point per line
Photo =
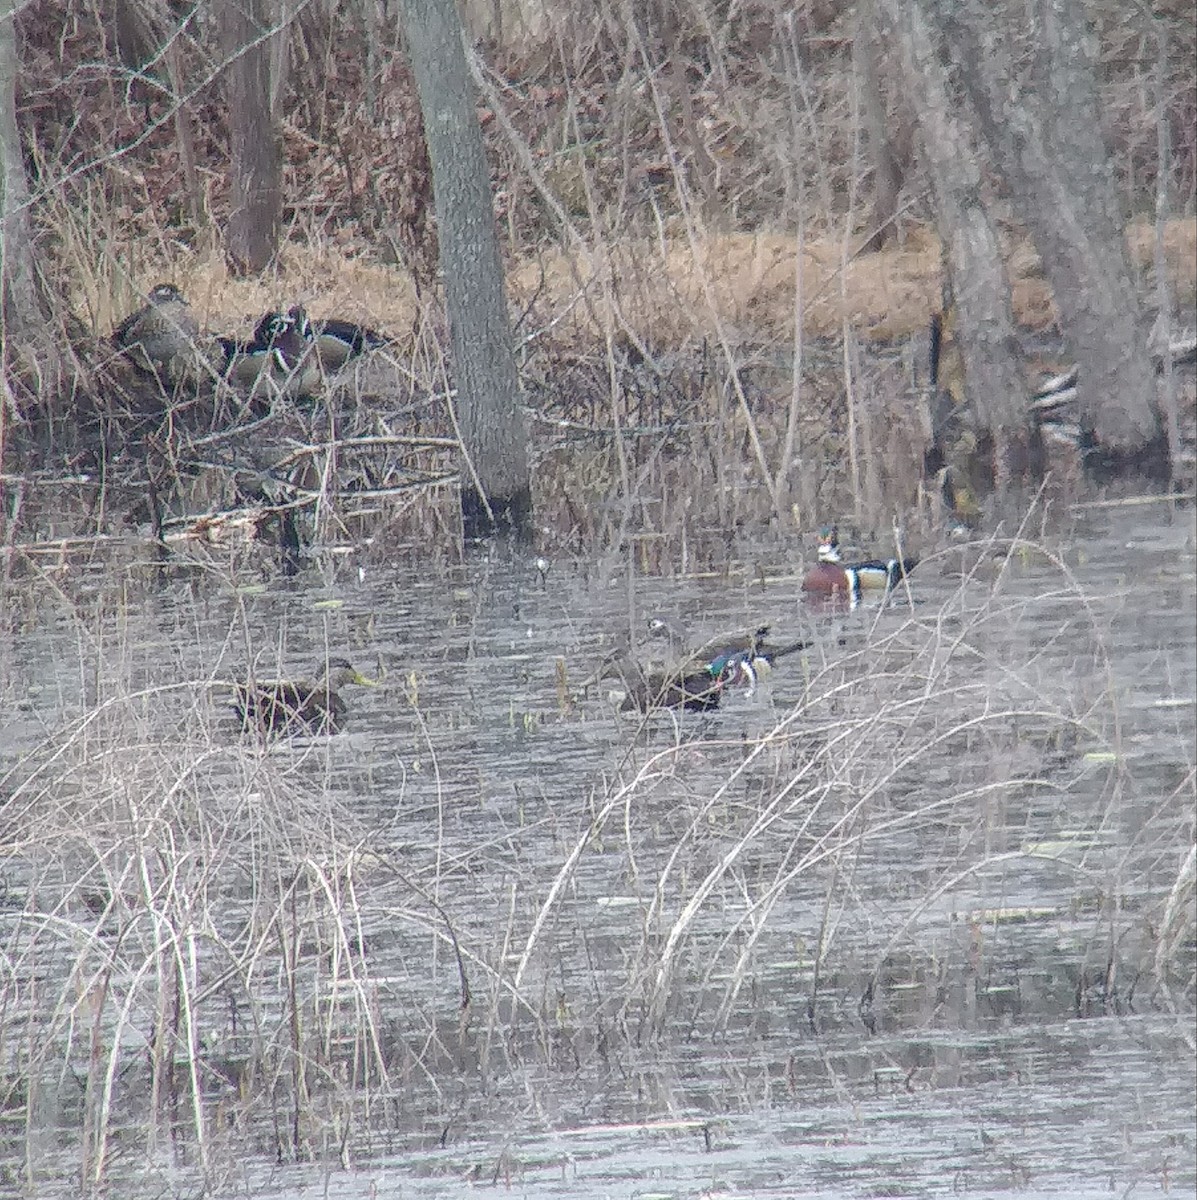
x=667 y=291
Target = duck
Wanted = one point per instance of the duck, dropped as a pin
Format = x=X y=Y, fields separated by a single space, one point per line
x=300 y=705
x=747 y=667
x=740 y=657
x=295 y=354
x=648 y=688
x=720 y=646
x=243 y=362
x=833 y=581
x=336 y=342
x=279 y=352
x=339 y=342
x=161 y=335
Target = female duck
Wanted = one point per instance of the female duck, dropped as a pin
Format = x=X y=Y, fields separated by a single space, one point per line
x=158 y=337
x=300 y=705
x=645 y=689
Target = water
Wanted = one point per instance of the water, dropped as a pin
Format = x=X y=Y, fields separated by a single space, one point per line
x=897 y=923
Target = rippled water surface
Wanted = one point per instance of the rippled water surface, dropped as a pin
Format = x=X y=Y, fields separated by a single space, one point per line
x=914 y=918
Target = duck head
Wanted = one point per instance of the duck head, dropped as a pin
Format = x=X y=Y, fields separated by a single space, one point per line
x=829 y=544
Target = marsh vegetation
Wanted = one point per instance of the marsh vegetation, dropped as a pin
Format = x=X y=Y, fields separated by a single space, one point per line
x=915 y=914
x=942 y=858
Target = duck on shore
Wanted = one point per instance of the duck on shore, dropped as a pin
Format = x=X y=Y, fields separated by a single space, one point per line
x=335 y=342
x=159 y=339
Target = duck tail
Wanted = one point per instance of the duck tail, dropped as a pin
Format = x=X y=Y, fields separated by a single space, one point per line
x=790 y=648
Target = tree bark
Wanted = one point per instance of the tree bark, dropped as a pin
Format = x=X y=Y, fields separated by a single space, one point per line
x=147 y=40
x=23 y=312
x=887 y=159
x=496 y=494
x=35 y=365
x=1044 y=127
x=254 y=166
x=983 y=319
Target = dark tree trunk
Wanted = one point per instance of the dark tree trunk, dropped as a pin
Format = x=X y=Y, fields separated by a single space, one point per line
x=253 y=146
x=1044 y=127
x=496 y=494
x=884 y=152
x=983 y=319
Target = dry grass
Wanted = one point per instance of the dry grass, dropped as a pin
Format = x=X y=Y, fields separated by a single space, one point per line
x=323 y=279
x=668 y=293
x=678 y=291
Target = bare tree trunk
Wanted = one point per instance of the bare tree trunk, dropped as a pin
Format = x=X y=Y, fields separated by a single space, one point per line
x=280 y=14
x=253 y=147
x=488 y=390
x=32 y=362
x=984 y=322
x=888 y=175
x=1045 y=132
x=147 y=38
x=23 y=312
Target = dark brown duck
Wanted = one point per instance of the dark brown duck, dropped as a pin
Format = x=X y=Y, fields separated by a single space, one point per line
x=300 y=705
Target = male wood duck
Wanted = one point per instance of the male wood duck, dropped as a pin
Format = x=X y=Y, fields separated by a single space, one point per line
x=301 y=705
x=295 y=352
x=731 y=658
x=747 y=667
x=159 y=338
x=336 y=342
x=279 y=352
x=340 y=342
x=245 y=362
x=649 y=688
x=720 y=645
x=833 y=581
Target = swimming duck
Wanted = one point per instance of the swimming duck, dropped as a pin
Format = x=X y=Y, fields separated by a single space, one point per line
x=298 y=706
x=749 y=666
x=160 y=336
x=737 y=657
x=648 y=688
x=833 y=581
x=722 y=645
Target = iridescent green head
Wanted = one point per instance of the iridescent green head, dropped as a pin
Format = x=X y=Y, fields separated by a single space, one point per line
x=829 y=544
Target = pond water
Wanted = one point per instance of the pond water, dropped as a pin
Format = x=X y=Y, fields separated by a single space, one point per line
x=915 y=917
